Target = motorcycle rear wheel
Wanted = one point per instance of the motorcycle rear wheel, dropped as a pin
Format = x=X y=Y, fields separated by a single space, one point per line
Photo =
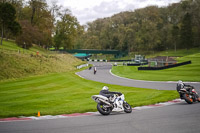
x=188 y=99
x=127 y=107
x=103 y=110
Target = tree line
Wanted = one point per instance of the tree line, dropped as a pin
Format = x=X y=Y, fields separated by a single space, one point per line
x=152 y=28
x=32 y=22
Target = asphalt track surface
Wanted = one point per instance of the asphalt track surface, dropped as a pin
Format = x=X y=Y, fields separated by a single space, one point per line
x=104 y=75
x=176 y=118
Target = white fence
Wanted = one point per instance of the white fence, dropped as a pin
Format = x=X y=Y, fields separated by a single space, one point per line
x=81 y=66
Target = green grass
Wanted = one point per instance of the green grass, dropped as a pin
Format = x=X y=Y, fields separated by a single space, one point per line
x=17 y=65
x=178 y=53
x=47 y=83
x=10 y=46
x=150 y=54
x=189 y=72
x=64 y=93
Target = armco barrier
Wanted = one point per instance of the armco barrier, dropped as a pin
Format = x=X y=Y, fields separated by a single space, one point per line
x=133 y=64
x=97 y=60
x=164 y=67
x=81 y=66
x=136 y=64
x=120 y=60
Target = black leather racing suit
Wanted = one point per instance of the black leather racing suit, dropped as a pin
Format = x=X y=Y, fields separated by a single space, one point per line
x=187 y=87
x=107 y=93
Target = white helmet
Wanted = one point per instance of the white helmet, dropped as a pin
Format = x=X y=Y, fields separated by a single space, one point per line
x=105 y=88
x=180 y=83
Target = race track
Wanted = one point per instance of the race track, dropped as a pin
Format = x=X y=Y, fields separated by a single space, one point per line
x=176 y=118
x=104 y=75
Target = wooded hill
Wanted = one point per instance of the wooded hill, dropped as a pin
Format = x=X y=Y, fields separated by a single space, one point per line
x=35 y=22
x=152 y=28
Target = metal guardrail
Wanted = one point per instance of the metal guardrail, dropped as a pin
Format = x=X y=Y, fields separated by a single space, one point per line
x=81 y=66
x=164 y=67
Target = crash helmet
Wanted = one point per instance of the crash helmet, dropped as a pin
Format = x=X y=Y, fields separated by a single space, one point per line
x=105 y=88
x=180 y=83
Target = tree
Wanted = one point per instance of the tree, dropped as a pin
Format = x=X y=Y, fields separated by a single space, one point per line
x=195 y=9
x=186 y=35
x=66 y=31
x=29 y=35
x=55 y=10
x=37 y=8
x=39 y=15
x=7 y=19
x=175 y=36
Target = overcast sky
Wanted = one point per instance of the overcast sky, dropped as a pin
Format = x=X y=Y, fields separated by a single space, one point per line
x=90 y=10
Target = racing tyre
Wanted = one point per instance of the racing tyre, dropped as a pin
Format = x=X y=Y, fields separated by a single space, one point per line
x=127 y=107
x=188 y=98
x=103 y=109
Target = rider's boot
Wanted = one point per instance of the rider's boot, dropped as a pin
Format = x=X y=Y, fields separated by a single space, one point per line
x=197 y=96
x=199 y=99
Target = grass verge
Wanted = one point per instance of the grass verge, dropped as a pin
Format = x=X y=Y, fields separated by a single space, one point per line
x=15 y=64
x=64 y=93
x=189 y=72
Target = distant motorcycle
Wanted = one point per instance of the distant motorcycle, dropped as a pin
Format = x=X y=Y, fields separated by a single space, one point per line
x=116 y=103
x=189 y=94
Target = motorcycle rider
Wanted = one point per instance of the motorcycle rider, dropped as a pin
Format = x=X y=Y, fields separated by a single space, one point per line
x=181 y=85
x=105 y=92
x=95 y=70
x=109 y=94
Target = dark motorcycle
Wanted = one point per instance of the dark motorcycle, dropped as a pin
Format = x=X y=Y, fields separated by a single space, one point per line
x=189 y=94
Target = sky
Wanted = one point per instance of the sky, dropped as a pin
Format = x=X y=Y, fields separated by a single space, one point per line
x=90 y=10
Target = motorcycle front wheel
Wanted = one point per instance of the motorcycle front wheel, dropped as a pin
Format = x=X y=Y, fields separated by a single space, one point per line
x=103 y=109
x=188 y=99
x=127 y=107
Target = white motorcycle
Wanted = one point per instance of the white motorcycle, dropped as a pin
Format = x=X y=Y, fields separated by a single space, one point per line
x=116 y=103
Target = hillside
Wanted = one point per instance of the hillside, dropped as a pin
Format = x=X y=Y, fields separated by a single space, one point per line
x=152 y=28
x=16 y=62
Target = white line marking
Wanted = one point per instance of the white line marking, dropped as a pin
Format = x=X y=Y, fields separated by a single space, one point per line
x=79 y=75
x=95 y=113
x=149 y=81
